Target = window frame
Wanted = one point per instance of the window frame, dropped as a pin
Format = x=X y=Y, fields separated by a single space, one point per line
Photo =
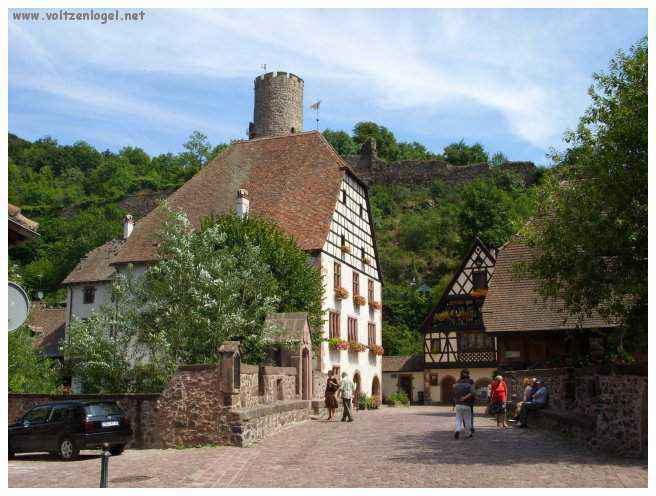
x=337 y=275
x=89 y=295
x=356 y=284
x=334 y=331
x=352 y=327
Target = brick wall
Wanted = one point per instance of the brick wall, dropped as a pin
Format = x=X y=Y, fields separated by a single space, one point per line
x=612 y=400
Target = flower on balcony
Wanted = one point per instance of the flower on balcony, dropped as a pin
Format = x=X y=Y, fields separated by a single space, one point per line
x=376 y=349
x=345 y=248
x=355 y=346
x=337 y=344
x=341 y=293
x=443 y=316
x=478 y=293
x=359 y=300
x=366 y=260
x=376 y=305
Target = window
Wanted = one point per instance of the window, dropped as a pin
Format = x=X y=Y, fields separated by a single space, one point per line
x=342 y=240
x=62 y=413
x=433 y=379
x=333 y=325
x=89 y=294
x=362 y=253
x=337 y=275
x=356 y=284
x=435 y=346
x=370 y=290
x=38 y=415
x=372 y=333
x=336 y=369
x=475 y=341
x=480 y=279
x=344 y=196
x=361 y=210
x=352 y=329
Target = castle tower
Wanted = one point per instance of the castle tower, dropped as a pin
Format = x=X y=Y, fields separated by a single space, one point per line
x=278 y=105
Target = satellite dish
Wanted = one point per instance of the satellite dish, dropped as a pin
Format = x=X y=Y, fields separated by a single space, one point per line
x=19 y=306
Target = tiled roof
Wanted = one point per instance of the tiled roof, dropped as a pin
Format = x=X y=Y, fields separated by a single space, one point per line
x=49 y=326
x=412 y=363
x=16 y=215
x=289 y=325
x=292 y=180
x=513 y=303
x=95 y=266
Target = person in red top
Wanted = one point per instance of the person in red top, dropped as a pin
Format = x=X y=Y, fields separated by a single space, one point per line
x=498 y=396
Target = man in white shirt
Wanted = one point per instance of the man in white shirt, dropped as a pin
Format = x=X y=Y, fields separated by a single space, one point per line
x=347 y=388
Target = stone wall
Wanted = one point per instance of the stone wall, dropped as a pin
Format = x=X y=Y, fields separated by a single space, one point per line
x=249 y=389
x=141 y=410
x=611 y=402
x=189 y=407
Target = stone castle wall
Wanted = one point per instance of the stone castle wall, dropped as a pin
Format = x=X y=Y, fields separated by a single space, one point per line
x=607 y=406
x=278 y=108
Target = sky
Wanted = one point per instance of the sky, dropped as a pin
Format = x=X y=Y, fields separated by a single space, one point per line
x=513 y=80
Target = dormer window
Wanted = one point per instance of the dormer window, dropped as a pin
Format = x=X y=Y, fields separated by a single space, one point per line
x=479 y=279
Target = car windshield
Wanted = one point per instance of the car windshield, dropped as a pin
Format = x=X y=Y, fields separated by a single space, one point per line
x=101 y=409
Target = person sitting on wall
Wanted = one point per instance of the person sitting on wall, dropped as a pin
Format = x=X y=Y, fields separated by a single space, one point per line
x=538 y=401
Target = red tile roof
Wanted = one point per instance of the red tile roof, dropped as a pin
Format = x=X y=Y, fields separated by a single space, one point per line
x=292 y=180
x=16 y=215
x=48 y=326
x=513 y=303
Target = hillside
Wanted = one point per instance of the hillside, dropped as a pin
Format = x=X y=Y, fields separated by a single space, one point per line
x=79 y=196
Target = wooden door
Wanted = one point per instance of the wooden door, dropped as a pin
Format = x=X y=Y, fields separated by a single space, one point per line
x=405 y=385
x=446 y=389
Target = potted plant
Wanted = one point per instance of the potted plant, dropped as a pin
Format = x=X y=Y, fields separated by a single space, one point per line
x=341 y=293
x=359 y=300
x=355 y=346
x=376 y=305
x=376 y=349
x=337 y=344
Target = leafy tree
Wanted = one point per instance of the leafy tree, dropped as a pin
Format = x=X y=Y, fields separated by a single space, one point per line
x=414 y=151
x=341 y=142
x=28 y=371
x=591 y=232
x=462 y=154
x=498 y=158
x=386 y=145
x=197 y=151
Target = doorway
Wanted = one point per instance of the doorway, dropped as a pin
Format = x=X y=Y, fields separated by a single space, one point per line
x=446 y=389
x=405 y=385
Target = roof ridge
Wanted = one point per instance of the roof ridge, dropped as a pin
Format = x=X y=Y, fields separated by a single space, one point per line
x=277 y=136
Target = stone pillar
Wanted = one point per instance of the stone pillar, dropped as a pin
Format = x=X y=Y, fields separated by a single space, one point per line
x=230 y=368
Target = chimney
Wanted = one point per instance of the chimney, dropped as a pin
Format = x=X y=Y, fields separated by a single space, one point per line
x=242 y=204
x=128 y=225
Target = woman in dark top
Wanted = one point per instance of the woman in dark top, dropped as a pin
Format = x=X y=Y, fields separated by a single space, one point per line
x=332 y=385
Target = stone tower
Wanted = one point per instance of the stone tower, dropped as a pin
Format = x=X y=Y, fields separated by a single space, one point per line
x=278 y=105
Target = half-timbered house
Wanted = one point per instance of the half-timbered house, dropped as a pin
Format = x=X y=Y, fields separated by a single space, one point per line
x=454 y=336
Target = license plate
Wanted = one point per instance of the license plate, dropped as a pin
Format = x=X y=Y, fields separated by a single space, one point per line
x=113 y=423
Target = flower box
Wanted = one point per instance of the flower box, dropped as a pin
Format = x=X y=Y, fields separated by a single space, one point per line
x=355 y=346
x=366 y=260
x=359 y=300
x=337 y=344
x=442 y=316
x=376 y=305
x=345 y=249
x=478 y=293
x=341 y=293
x=376 y=349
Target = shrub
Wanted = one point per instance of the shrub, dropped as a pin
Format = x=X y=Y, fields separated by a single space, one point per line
x=399 y=398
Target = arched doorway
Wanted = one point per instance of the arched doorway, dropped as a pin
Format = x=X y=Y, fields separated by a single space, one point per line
x=446 y=389
x=358 y=389
x=305 y=375
x=375 y=388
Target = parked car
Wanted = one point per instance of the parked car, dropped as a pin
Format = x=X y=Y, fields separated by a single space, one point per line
x=64 y=428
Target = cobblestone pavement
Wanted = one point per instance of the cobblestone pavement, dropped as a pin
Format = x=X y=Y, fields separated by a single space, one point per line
x=397 y=447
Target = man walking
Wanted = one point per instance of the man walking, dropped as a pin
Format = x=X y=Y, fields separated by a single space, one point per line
x=463 y=393
x=472 y=401
x=347 y=388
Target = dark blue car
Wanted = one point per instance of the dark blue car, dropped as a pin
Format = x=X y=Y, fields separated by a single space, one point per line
x=64 y=428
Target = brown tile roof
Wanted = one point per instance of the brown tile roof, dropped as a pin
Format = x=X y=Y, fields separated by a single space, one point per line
x=292 y=180
x=16 y=215
x=513 y=303
x=48 y=324
x=412 y=363
x=95 y=266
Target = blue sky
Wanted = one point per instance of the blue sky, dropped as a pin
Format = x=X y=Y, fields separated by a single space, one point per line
x=513 y=80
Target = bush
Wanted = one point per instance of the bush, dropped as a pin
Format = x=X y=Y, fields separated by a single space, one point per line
x=399 y=398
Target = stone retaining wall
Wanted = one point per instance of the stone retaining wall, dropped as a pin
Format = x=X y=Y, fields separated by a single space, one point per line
x=613 y=400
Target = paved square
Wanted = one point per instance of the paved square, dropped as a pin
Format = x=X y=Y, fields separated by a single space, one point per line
x=391 y=447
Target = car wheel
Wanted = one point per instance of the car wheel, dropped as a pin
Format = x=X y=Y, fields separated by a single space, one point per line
x=67 y=449
x=117 y=450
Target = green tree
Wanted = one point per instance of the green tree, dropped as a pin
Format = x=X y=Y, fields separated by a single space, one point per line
x=498 y=158
x=28 y=370
x=462 y=154
x=591 y=232
x=414 y=151
x=341 y=142
x=386 y=145
x=198 y=151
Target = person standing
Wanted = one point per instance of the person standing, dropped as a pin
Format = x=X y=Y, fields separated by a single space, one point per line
x=472 y=402
x=347 y=388
x=463 y=394
x=332 y=385
x=498 y=401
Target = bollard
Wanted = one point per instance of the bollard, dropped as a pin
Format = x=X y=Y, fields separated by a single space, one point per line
x=104 y=465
